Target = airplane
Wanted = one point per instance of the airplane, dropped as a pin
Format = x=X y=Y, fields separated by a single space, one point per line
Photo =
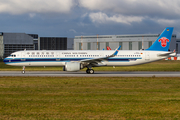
x=75 y=60
x=108 y=48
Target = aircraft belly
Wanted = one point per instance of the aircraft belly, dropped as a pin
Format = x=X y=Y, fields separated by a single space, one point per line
x=37 y=64
x=46 y=64
x=121 y=63
x=127 y=63
x=18 y=64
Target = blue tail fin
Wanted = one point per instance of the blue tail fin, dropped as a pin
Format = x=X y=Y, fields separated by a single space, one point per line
x=163 y=41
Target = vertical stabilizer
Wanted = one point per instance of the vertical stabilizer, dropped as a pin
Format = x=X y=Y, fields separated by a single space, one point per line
x=163 y=41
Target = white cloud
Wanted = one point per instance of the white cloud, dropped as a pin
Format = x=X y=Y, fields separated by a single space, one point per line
x=35 y=6
x=134 y=7
x=72 y=30
x=32 y=15
x=162 y=12
x=103 y=18
x=166 y=21
x=84 y=15
x=94 y=4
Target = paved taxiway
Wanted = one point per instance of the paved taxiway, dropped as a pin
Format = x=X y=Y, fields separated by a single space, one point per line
x=96 y=74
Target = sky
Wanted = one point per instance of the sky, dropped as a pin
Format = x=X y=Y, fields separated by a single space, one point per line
x=70 y=18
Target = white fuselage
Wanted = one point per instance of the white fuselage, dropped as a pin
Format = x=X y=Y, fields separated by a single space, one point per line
x=60 y=57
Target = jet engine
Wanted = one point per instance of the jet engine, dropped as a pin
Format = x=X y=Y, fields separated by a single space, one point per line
x=72 y=66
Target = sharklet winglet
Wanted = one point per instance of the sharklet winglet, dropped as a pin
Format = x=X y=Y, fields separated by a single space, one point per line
x=116 y=51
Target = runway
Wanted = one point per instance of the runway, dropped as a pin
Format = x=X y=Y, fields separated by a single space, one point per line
x=83 y=74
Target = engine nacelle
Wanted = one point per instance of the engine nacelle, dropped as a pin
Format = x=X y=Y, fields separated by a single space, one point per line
x=72 y=66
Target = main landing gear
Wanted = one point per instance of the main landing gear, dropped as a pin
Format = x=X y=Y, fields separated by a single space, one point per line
x=23 y=71
x=90 y=71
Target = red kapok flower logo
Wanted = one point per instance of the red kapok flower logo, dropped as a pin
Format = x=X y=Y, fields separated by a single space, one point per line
x=163 y=41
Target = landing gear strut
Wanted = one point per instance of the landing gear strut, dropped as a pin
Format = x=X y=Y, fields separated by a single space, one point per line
x=90 y=71
x=23 y=71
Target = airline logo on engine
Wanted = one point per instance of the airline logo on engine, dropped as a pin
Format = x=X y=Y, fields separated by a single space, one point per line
x=163 y=41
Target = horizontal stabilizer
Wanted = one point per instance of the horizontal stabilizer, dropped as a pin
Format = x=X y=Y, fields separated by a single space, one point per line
x=170 y=54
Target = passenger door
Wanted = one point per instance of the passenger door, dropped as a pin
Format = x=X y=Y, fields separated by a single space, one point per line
x=23 y=56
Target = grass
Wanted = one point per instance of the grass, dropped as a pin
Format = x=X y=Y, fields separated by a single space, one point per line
x=154 y=66
x=86 y=98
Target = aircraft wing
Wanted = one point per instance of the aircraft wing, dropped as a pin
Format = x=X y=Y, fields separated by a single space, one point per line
x=96 y=60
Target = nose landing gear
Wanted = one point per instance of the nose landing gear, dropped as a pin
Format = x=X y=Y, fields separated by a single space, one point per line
x=23 y=71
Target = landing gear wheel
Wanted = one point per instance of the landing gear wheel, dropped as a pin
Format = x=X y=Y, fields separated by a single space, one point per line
x=87 y=71
x=23 y=72
x=90 y=71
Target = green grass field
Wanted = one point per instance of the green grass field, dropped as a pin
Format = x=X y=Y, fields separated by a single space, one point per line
x=154 y=66
x=52 y=98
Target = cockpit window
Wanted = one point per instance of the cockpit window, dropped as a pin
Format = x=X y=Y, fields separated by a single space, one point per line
x=12 y=55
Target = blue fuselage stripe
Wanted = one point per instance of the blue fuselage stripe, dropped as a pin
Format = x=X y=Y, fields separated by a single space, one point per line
x=20 y=60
